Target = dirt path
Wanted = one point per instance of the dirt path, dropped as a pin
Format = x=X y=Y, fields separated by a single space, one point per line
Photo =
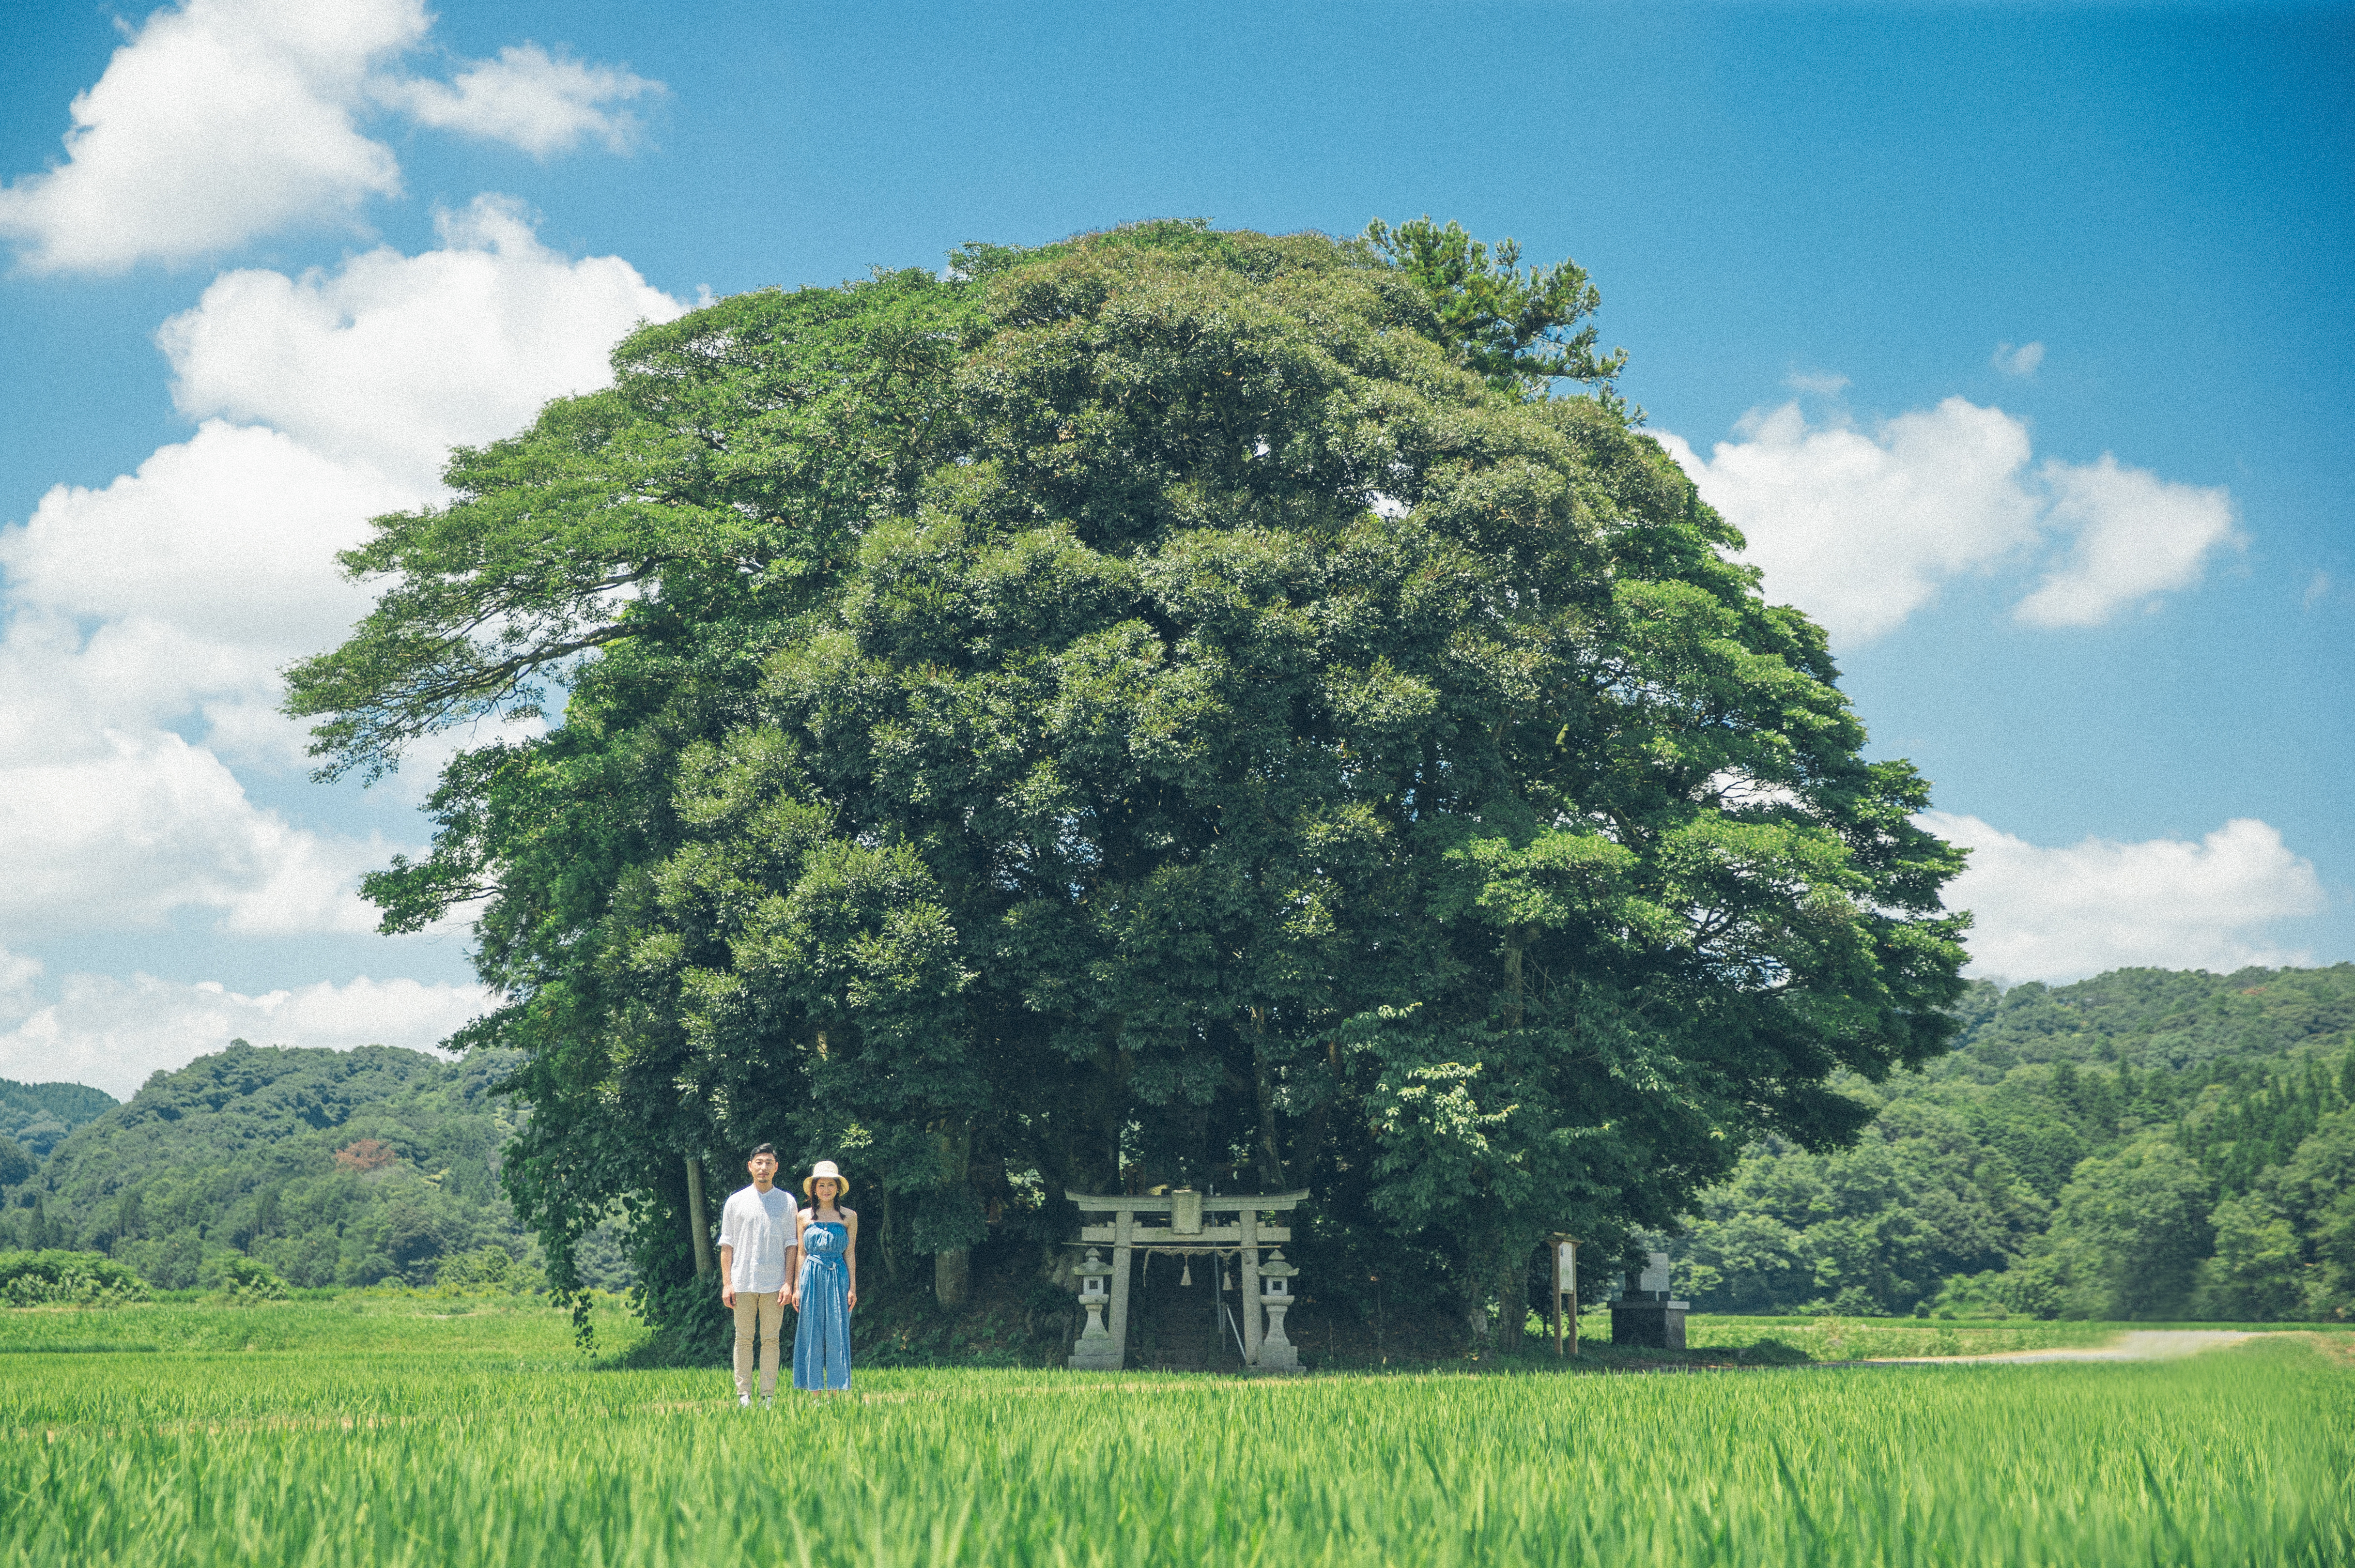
x=2140 y=1344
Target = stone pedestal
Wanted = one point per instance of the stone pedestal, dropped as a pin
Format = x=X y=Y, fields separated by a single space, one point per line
x=1097 y=1351
x=1276 y=1352
x=1648 y=1325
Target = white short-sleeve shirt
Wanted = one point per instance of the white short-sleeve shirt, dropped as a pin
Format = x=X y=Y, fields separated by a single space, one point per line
x=759 y=1227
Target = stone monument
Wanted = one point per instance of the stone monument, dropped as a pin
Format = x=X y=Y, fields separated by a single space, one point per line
x=1643 y=1316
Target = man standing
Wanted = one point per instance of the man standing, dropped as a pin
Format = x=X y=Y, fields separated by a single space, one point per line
x=756 y=1248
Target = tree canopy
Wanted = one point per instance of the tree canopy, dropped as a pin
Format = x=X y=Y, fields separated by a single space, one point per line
x=1174 y=705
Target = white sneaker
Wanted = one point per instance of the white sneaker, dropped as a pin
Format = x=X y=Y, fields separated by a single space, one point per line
x=768 y=1401
x=744 y=1402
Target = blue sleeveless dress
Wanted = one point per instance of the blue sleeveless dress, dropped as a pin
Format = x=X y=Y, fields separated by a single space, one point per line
x=822 y=1338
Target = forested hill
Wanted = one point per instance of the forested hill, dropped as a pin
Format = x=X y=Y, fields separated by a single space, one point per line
x=331 y=1167
x=37 y=1116
x=2150 y=1144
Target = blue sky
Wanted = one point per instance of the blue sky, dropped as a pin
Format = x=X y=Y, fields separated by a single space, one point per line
x=2018 y=339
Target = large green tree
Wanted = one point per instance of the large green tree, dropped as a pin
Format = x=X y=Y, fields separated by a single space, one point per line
x=1172 y=705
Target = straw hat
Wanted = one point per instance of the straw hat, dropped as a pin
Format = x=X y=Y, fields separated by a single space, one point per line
x=825 y=1168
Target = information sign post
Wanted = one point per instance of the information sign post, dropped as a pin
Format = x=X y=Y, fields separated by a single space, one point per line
x=1565 y=1289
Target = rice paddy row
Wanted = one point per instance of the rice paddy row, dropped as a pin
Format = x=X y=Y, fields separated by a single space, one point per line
x=353 y=1445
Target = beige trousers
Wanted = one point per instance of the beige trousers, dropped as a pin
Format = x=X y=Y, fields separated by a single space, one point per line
x=764 y=1310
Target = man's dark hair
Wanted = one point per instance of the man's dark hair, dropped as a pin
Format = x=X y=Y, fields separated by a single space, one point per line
x=769 y=1149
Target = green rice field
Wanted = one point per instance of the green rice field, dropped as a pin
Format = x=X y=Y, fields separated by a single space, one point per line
x=392 y=1431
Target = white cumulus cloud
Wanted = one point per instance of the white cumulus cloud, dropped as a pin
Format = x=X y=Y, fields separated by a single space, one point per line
x=146 y=620
x=2136 y=537
x=2062 y=913
x=221 y=119
x=541 y=102
x=18 y=973
x=173 y=596
x=218 y=121
x=114 y=1033
x=128 y=834
x=390 y=360
x=227 y=538
x=1862 y=528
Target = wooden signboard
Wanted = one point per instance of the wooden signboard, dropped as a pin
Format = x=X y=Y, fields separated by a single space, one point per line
x=1565 y=1289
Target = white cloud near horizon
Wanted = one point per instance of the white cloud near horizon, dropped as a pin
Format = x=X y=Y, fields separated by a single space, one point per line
x=2062 y=913
x=220 y=121
x=1860 y=528
x=146 y=620
x=121 y=838
x=113 y=1033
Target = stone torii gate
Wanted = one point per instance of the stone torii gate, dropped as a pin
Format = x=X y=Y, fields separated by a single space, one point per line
x=1129 y=1222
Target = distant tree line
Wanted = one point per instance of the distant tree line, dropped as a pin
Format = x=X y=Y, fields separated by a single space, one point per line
x=2147 y=1144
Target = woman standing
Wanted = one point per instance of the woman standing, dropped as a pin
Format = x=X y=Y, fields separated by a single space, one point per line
x=829 y=1282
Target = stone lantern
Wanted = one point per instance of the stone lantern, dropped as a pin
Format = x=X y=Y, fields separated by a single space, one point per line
x=1097 y=1348
x=1276 y=1352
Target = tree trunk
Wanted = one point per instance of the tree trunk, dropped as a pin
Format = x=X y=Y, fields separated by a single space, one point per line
x=1308 y=1143
x=698 y=1223
x=1514 y=943
x=1513 y=1301
x=1270 y=1153
x=1475 y=1312
x=953 y=1269
x=952 y=1274
x=1479 y=1277
x=1111 y=1109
